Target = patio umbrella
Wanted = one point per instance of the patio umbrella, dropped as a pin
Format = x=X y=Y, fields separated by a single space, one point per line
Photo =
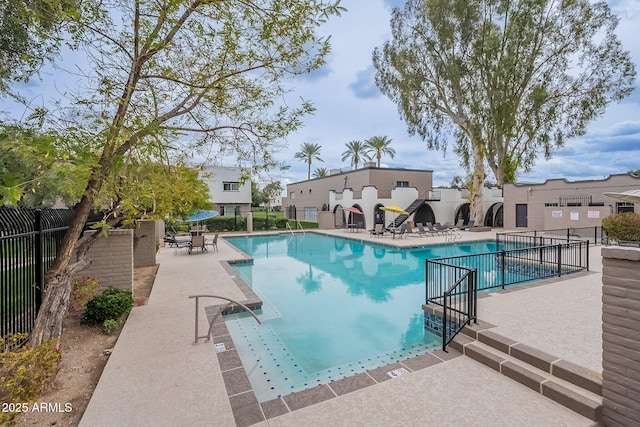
x=201 y=215
x=632 y=196
x=395 y=209
x=353 y=210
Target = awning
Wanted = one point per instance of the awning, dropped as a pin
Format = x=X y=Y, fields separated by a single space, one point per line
x=632 y=196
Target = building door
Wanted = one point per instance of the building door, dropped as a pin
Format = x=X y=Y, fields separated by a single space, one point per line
x=521 y=215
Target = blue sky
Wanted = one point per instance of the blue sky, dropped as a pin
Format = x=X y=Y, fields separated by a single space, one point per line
x=349 y=106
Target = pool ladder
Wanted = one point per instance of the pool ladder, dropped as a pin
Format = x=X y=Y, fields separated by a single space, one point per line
x=298 y=226
x=208 y=336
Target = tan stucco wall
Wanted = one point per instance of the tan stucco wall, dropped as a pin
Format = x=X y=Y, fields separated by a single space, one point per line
x=315 y=192
x=536 y=195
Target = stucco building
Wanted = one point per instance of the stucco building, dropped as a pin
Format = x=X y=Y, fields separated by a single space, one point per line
x=560 y=203
x=371 y=188
x=232 y=197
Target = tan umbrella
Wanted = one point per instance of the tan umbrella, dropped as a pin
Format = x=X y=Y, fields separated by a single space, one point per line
x=632 y=196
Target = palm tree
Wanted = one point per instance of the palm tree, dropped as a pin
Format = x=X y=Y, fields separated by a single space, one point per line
x=380 y=145
x=320 y=172
x=308 y=152
x=356 y=150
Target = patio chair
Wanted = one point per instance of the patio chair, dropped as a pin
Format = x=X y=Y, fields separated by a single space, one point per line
x=213 y=242
x=412 y=233
x=197 y=242
x=402 y=231
x=378 y=230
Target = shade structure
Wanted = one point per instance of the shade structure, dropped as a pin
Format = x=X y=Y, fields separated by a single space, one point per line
x=201 y=215
x=632 y=196
x=353 y=210
x=395 y=209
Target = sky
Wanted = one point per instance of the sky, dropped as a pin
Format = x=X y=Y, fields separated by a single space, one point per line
x=349 y=106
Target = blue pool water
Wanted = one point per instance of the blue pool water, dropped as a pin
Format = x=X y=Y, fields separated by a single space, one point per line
x=333 y=307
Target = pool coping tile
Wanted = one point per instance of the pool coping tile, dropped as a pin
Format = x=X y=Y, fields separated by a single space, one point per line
x=351 y=384
x=274 y=408
x=308 y=397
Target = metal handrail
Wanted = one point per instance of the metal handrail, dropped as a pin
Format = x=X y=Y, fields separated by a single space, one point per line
x=208 y=336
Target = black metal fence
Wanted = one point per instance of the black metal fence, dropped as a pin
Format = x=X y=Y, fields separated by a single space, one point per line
x=459 y=302
x=29 y=240
x=520 y=258
x=595 y=235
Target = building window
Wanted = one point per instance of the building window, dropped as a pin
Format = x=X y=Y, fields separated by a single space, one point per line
x=624 y=207
x=402 y=183
x=548 y=205
x=292 y=195
x=230 y=186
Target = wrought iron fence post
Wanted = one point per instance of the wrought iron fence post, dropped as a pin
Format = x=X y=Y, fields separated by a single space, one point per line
x=559 y=254
x=503 y=256
x=39 y=285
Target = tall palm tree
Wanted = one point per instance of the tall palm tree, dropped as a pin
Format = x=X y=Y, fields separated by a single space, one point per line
x=320 y=172
x=356 y=151
x=379 y=145
x=308 y=152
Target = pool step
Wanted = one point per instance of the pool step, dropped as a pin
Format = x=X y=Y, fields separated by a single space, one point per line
x=571 y=385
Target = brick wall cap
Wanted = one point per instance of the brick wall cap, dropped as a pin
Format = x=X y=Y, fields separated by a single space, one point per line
x=631 y=254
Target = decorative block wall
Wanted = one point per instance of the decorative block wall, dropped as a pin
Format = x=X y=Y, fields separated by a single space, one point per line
x=112 y=260
x=144 y=242
x=621 y=336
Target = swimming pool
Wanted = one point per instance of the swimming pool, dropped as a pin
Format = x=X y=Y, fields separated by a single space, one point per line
x=333 y=308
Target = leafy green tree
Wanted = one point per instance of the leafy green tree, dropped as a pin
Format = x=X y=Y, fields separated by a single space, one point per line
x=164 y=77
x=356 y=151
x=308 y=153
x=35 y=171
x=320 y=172
x=257 y=197
x=379 y=145
x=634 y=172
x=271 y=191
x=30 y=33
x=510 y=79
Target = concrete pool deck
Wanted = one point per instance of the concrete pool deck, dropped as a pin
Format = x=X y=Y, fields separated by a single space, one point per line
x=156 y=376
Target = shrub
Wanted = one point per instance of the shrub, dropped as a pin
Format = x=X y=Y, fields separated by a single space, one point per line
x=623 y=226
x=84 y=289
x=110 y=304
x=24 y=373
x=110 y=326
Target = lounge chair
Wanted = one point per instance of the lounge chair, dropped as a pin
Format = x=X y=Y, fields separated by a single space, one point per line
x=378 y=230
x=197 y=242
x=402 y=231
x=430 y=231
x=471 y=224
x=412 y=233
x=213 y=242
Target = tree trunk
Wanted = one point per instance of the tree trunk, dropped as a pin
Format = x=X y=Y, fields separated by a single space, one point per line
x=59 y=277
x=475 y=196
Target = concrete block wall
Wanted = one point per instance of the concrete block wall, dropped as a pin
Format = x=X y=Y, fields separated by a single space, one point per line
x=112 y=260
x=144 y=244
x=621 y=336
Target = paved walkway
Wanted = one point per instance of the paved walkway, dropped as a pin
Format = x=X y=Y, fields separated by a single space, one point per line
x=156 y=376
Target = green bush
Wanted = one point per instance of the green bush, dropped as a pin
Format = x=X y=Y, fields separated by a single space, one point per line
x=24 y=373
x=623 y=226
x=110 y=304
x=110 y=326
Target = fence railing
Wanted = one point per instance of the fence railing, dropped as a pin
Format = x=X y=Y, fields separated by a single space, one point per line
x=596 y=235
x=454 y=288
x=29 y=243
x=29 y=240
x=520 y=258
